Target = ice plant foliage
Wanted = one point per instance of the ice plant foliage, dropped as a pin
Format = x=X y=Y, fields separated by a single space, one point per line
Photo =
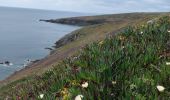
x=126 y=66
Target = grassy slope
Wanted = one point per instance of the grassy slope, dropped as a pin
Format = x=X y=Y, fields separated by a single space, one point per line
x=93 y=56
x=85 y=36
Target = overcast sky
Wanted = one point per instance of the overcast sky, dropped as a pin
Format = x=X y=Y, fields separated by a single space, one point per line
x=93 y=6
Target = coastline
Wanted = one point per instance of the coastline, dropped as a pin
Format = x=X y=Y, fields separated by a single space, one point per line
x=38 y=64
x=102 y=61
x=70 y=44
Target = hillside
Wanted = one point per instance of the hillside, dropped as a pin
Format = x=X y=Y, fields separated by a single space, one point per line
x=128 y=65
x=100 y=19
x=73 y=42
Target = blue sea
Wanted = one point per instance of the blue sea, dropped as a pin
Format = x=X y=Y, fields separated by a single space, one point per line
x=23 y=36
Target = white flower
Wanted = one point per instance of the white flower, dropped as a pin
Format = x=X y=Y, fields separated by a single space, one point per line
x=141 y=32
x=160 y=88
x=133 y=86
x=123 y=47
x=85 y=85
x=41 y=96
x=113 y=82
x=168 y=31
x=167 y=63
x=79 y=97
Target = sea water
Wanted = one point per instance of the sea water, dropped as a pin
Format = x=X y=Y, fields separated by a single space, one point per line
x=23 y=36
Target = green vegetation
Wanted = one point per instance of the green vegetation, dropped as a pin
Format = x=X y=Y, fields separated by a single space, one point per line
x=127 y=66
x=70 y=44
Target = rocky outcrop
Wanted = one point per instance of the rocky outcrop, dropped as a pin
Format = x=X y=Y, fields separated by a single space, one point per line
x=67 y=39
x=74 y=21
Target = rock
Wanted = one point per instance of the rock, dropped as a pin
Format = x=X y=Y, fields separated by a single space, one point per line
x=6 y=63
x=49 y=48
x=35 y=61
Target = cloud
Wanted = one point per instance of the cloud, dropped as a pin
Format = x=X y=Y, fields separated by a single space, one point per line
x=93 y=6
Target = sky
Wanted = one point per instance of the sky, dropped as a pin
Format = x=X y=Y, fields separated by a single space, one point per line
x=93 y=6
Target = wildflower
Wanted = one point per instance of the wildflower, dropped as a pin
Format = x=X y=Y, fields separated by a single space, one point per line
x=123 y=47
x=112 y=94
x=101 y=43
x=41 y=96
x=74 y=82
x=160 y=88
x=122 y=38
x=65 y=97
x=133 y=86
x=168 y=31
x=113 y=82
x=79 y=97
x=65 y=93
x=167 y=63
x=141 y=32
x=85 y=85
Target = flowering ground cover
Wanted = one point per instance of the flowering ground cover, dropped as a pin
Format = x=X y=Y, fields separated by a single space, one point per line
x=133 y=65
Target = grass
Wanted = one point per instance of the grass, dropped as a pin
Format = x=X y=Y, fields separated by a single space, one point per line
x=85 y=35
x=127 y=66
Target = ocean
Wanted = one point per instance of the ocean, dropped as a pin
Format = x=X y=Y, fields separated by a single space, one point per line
x=23 y=37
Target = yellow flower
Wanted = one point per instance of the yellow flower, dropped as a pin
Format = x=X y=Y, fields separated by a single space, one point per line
x=66 y=97
x=101 y=42
x=74 y=82
x=160 y=88
x=64 y=91
x=65 y=94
